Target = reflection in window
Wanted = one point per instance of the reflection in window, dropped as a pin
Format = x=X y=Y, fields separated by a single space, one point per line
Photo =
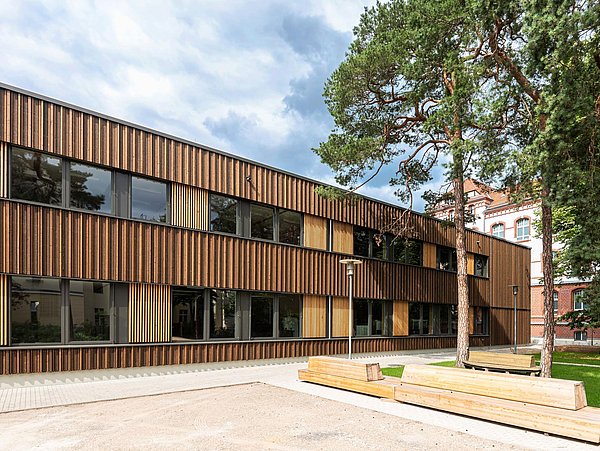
x=380 y=247
x=289 y=227
x=148 y=199
x=362 y=240
x=376 y=317
x=408 y=251
x=578 y=301
x=498 y=230
x=423 y=319
x=580 y=335
x=35 y=310
x=91 y=188
x=481 y=265
x=360 y=309
x=261 y=311
x=261 y=222
x=480 y=318
x=188 y=315
x=36 y=177
x=89 y=311
x=446 y=259
x=289 y=316
x=523 y=229
x=223 y=214
x=222 y=313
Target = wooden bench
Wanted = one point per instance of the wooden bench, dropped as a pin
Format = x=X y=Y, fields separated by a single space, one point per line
x=502 y=363
x=548 y=405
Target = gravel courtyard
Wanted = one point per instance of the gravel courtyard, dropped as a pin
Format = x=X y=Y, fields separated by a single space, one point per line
x=250 y=416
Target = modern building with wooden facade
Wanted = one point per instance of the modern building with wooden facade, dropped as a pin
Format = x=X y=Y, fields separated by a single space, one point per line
x=122 y=246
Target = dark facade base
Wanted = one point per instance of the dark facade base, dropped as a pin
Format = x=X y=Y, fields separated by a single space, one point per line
x=77 y=358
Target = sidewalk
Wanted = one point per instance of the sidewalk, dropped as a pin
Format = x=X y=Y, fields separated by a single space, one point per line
x=26 y=392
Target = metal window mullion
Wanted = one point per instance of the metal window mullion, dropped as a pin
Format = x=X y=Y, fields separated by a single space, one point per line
x=65 y=307
x=66 y=183
x=275 y=316
x=207 y=312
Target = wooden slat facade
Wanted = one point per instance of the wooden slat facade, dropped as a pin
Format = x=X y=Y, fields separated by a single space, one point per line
x=343 y=238
x=429 y=255
x=339 y=317
x=315 y=232
x=149 y=313
x=314 y=316
x=190 y=207
x=400 y=319
x=4 y=311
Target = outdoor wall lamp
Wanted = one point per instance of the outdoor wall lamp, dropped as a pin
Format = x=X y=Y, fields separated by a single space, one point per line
x=515 y=291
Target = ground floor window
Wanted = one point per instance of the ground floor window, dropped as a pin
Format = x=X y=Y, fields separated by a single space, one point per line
x=481 y=320
x=580 y=335
x=188 y=314
x=289 y=316
x=368 y=316
x=261 y=313
x=89 y=311
x=275 y=315
x=222 y=313
x=439 y=319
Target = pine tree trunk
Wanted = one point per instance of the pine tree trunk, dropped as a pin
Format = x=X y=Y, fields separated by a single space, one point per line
x=548 y=337
x=462 y=338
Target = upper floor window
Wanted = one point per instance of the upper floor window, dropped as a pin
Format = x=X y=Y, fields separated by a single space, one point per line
x=407 y=251
x=555 y=301
x=223 y=214
x=148 y=199
x=261 y=222
x=498 y=230
x=90 y=188
x=290 y=227
x=446 y=258
x=362 y=241
x=578 y=302
x=481 y=265
x=522 y=227
x=36 y=177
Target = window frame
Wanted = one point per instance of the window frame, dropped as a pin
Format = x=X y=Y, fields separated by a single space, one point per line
x=453 y=261
x=67 y=177
x=555 y=301
x=238 y=214
x=275 y=315
x=167 y=199
x=582 y=334
x=575 y=294
x=486 y=265
x=517 y=228
x=385 y=315
x=498 y=224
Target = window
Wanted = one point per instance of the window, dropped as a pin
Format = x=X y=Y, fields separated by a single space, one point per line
x=89 y=311
x=289 y=316
x=578 y=300
x=380 y=247
x=289 y=227
x=222 y=313
x=498 y=230
x=188 y=314
x=148 y=199
x=445 y=319
x=36 y=177
x=407 y=251
x=261 y=324
x=261 y=222
x=419 y=319
x=362 y=241
x=480 y=321
x=432 y=319
x=522 y=227
x=446 y=258
x=481 y=265
x=367 y=317
x=35 y=310
x=555 y=299
x=90 y=188
x=580 y=335
x=223 y=214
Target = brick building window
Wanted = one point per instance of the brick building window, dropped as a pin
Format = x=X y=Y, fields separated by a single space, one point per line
x=522 y=229
x=578 y=303
x=498 y=230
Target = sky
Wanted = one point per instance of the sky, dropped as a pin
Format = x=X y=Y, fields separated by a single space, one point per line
x=245 y=77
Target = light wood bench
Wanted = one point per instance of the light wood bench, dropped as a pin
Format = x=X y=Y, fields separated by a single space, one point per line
x=548 y=405
x=502 y=363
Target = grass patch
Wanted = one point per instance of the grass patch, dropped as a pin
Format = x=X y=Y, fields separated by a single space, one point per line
x=574 y=357
x=589 y=376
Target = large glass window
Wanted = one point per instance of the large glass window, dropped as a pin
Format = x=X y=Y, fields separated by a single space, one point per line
x=188 y=314
x=90 y=188
x=362 y=241
x=481 y=320
x=148 y=199
x=36 y=177
x=481 y=265
x=408 y=251
x=261 y=311
x=498 y=230
x=289 y=316
x=522 y=229
x=89 y=311
x=419 y=319
x=35 y=310
x=289 y=227
x=368 y=317
x=222 y=313
x=223 y=214
x=446 y=258
x=261 y=222
x=578 y=301
x=555 y=301
x=376 y=317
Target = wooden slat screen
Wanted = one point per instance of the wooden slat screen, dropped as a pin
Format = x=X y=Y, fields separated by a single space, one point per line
x=315 y=232
x=400 y=318
x=4 y=169
x=429 y=255
x=339 y=321
x=343 y=238
x=4 y=310
x=149 y=313
x=189 y=206
x=314 y=316
x=470 y=263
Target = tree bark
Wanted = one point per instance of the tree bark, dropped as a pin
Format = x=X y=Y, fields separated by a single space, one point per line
x=547 y=267
x=462 y=337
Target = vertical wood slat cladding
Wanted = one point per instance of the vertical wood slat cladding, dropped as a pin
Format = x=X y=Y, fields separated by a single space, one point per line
x=470 y=263
x=429 y=255
x=314 y=316
x=190 y=206
x=343 y=238
x=74 y=358
x=315 y=232
x=4 y=311
x=471 y=320
x=510 y=265
x=149 y=313
x=4 y=169
x=400 y=318
x=339 y=318
x=48 y=126
x=502 y=328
